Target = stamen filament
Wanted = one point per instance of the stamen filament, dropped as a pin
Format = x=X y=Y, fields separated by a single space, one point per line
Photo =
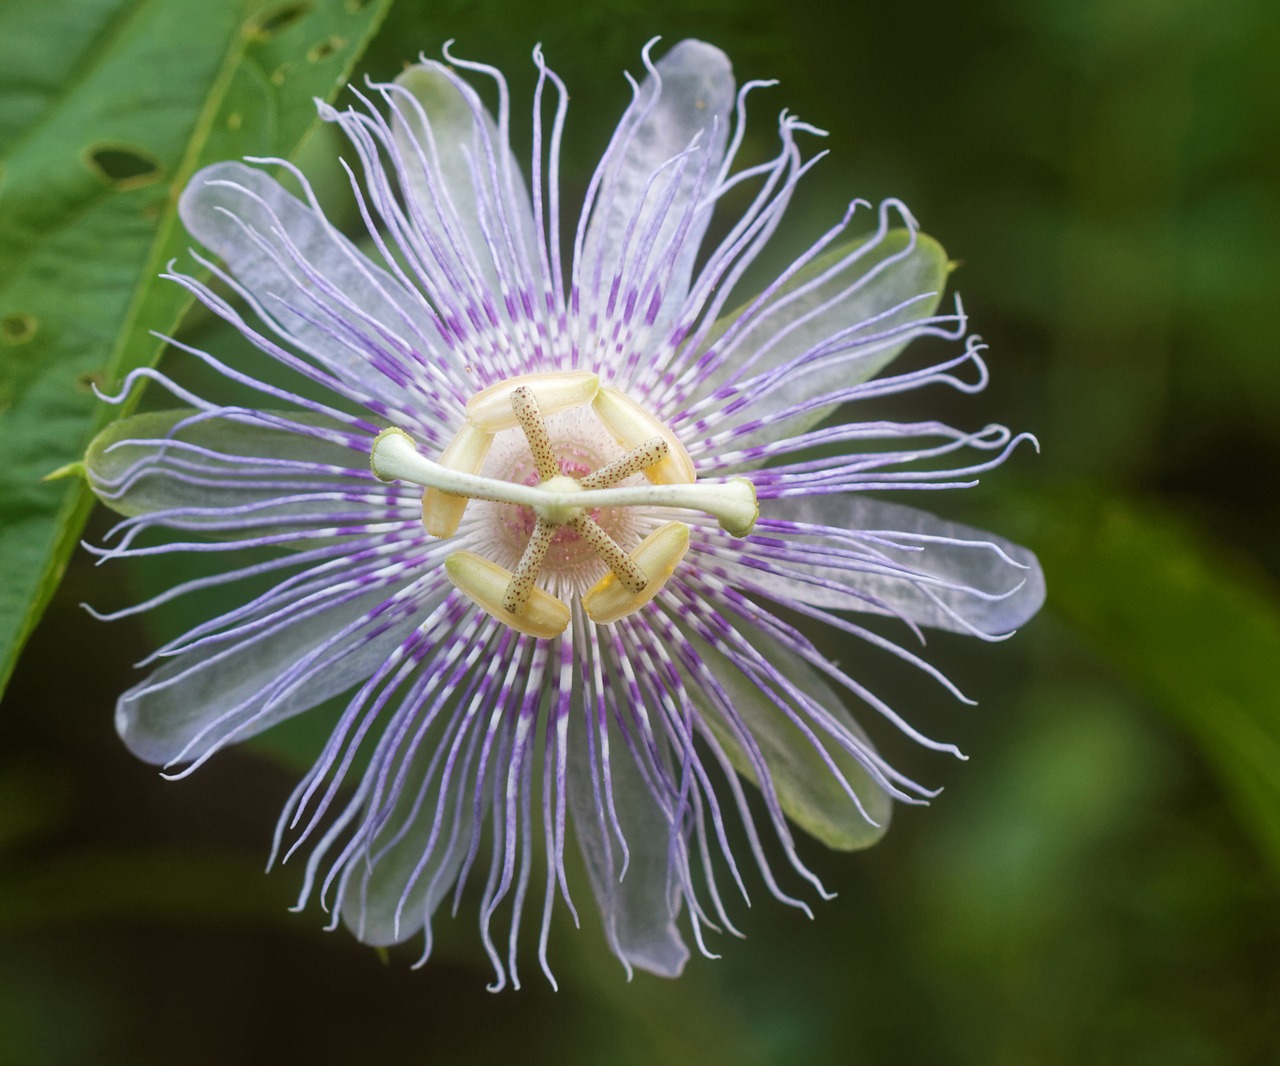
x=732 y=503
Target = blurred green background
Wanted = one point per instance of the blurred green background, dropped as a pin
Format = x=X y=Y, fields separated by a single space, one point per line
x=1097 y=884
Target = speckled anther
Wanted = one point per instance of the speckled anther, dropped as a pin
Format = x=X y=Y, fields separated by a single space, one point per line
x=529 y=415
x=624 y=567
x=634 y=462
x=523 y=581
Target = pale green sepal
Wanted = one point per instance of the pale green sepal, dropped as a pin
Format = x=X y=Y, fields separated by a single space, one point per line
x=67 y=470
x=924 y=270
x=107 y=460
x=637 y=891
x=807 y=791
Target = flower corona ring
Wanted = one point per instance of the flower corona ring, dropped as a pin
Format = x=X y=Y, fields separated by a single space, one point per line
x=555 y=521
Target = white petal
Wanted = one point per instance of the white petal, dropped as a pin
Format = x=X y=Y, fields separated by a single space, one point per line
x=639 y=919
x=400 y=882
x=259 y=230
x=694 y=101
x=968 y=581
x=211 y=694
x=443 y=146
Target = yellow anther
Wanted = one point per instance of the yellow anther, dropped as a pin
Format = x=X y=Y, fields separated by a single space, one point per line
x=491 y=409
x=442 y=511
x=485 y=583
x=657 y=555
x=632 y=426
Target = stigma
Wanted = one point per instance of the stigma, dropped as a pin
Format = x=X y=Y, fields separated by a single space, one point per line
x=563 y=506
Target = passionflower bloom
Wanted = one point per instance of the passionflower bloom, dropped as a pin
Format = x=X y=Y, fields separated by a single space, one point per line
x=552 y=529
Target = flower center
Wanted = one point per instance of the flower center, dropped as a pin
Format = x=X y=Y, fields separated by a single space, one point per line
x=540 y=495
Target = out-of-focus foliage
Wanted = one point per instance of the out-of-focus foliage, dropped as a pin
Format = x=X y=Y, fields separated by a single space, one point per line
x=1094 y=885
x=106 y=109
x=1197 y=636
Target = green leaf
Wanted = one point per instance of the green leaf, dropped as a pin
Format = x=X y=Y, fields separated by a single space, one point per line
x=109 y=106
x=1189 y=626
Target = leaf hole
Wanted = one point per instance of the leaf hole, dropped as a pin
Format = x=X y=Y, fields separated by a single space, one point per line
x=18 y=328
x=279 y=20
x=123 y=166
x=325 y=48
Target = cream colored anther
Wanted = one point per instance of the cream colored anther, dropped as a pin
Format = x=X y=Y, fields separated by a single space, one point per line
x=485 y=584
x=491 y=409
x=657 y=555
x=632 y=426
x=442 y=511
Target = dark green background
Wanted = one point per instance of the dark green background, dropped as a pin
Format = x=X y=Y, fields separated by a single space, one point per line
x=1098 y=883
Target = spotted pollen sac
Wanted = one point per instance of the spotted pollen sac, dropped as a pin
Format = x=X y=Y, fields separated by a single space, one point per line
x=562 y=474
